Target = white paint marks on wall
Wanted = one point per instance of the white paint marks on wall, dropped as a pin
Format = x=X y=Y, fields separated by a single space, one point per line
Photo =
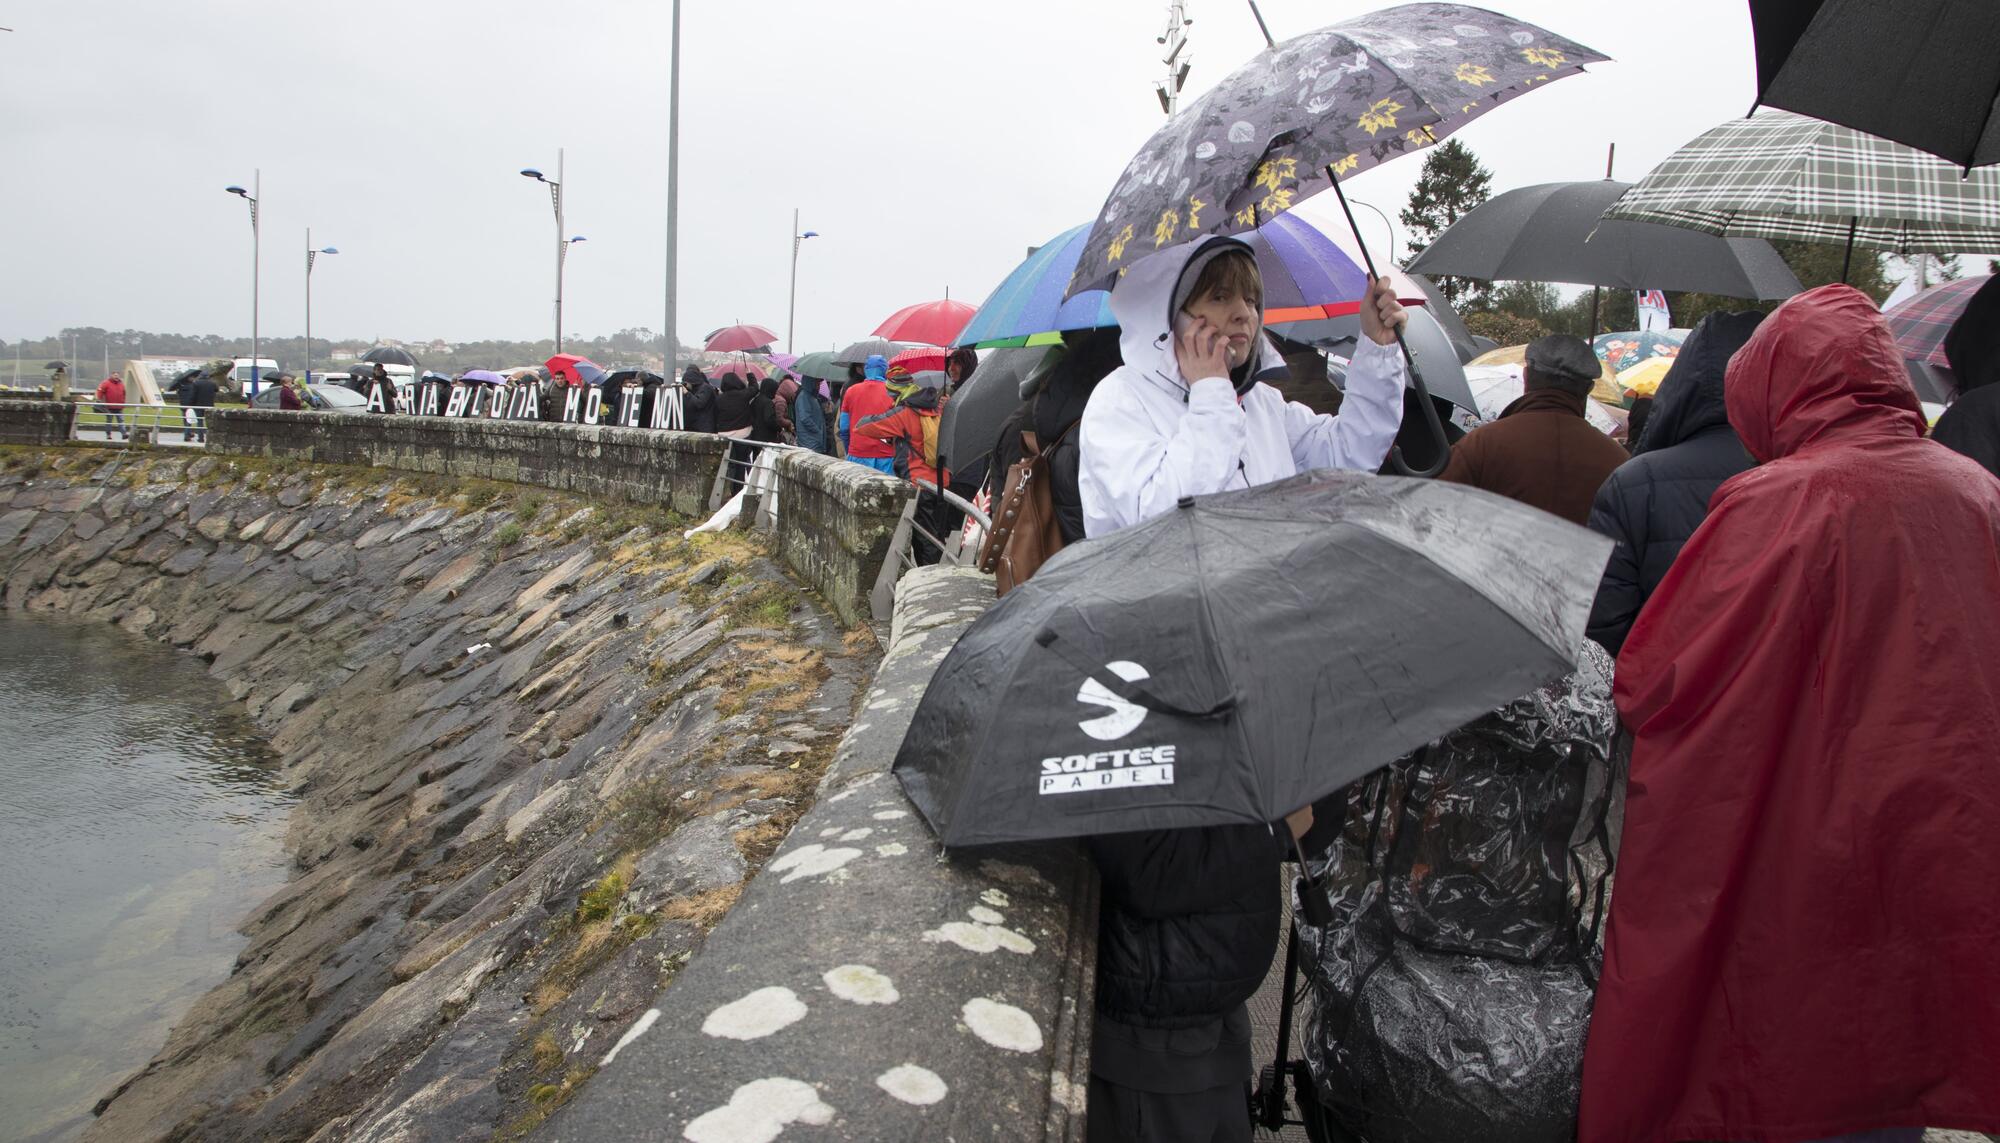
x=858 y=782
x=811 y=861
x=856 y=834
x=1002 y=1025
x=637 y=1030
x=995 y=898
x=1066 y=1095
x=759 y=1112
x=893 y=849
x=756 y=1016
x=984 y=915
x=912 y=1084
x=829 y=831
x=890 y=815
x=861 y=984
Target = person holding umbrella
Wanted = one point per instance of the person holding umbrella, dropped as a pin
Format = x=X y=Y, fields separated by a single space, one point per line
x=1189 y=920
x=1185 y=414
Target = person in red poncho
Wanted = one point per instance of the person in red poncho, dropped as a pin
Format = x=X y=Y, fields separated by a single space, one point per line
x=1805 y=934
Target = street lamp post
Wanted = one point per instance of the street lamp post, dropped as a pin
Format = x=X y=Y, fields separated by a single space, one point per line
x=563 y=239
x=310 y=255
x=792 y=308
x=252 y=196
x=673 y=346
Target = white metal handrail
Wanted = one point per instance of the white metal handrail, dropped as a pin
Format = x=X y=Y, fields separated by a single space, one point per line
x=118 y=422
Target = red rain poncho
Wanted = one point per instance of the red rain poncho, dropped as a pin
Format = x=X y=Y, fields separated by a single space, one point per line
x=1805 y=933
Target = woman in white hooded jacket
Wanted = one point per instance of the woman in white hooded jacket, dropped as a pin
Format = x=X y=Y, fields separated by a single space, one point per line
x=1183 y=415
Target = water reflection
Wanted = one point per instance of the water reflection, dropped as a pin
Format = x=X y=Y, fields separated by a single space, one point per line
x=140 y=819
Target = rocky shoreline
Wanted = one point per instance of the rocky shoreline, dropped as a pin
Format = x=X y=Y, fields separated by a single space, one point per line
x=539 y=745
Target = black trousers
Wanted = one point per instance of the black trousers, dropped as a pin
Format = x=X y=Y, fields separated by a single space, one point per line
x=1126 y=1115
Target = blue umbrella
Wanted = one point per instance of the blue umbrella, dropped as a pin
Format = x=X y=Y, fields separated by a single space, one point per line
x=1028 y=307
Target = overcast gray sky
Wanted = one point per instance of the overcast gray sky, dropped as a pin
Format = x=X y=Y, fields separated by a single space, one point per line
x=930 y=142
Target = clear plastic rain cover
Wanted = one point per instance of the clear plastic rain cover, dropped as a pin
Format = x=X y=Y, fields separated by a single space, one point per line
x=1451 y=994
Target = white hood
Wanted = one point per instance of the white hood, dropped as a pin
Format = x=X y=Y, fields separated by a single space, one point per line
x=1143 y=303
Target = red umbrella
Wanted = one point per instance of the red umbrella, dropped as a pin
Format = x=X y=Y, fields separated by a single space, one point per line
x=919 y=359
x=739 y=338
x=575 y=370
x=933 y=323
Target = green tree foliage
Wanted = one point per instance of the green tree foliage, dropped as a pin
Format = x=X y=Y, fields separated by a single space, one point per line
x=1452 y=183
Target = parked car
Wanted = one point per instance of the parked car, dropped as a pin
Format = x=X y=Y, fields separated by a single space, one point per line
x=318 y=398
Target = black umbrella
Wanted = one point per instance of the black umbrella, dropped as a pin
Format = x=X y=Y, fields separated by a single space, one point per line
x=390 y=355
x=1924 y=73
x=972 y=418
x=1553 y=233
x=1430 y=346
x=1244 y=655
x=1440 y=308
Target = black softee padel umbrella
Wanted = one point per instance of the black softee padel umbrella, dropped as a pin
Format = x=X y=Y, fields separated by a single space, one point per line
x=1244 y=655
x=1925 y=73
x=1305 y=113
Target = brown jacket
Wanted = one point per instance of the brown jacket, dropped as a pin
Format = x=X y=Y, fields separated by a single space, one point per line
x=1540 y=451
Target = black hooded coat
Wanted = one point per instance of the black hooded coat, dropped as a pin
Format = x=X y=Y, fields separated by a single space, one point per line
x=697 y=401
x=766 y=422
x=732 y=404
x=1971 y=427
x=1651 y=505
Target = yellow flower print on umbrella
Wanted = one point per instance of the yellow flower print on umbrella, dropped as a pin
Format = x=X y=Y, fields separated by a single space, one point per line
x=1544 y=57
x=1195 y=206
x=1474 y=75
x=1380 y=114
x=1170 y=221
x=1118 y=243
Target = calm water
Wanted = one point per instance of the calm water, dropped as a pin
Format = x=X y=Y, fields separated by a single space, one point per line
x=139 y=822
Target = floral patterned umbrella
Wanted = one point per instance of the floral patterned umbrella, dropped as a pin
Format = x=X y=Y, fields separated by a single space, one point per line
x=1330 y=103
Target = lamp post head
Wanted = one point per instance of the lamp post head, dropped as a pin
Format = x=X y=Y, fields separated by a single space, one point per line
x=810 y=234
x=576 y=238
x=237 y=191
x=532 y=173
x=329 y=250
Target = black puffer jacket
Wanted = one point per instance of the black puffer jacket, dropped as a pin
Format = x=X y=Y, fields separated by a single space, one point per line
x=1655 y=501
x=732 y=404
x=1188 y=923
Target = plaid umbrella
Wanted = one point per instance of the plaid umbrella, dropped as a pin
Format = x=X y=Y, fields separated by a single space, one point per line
x=1920 y=322
x=1784 y=176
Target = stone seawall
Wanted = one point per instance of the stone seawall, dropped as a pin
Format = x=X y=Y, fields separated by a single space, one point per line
x=35 y=422
x=539 y=747
x=834 y=519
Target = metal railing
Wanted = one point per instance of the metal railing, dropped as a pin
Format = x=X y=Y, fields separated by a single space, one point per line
x=916 y=538
x=103 y=422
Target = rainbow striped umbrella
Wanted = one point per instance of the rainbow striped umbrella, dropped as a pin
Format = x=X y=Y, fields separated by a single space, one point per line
x=1307 y=276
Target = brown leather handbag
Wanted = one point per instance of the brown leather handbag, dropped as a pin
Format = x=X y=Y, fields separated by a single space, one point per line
x=1025 y=531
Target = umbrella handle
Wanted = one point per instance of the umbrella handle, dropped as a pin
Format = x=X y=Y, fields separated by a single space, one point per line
x=1396 y=462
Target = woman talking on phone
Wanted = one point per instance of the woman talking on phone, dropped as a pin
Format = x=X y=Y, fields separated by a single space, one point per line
x=1189 y=918
x=1185 y=415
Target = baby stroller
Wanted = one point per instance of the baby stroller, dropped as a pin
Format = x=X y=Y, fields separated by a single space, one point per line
x=1448 y=929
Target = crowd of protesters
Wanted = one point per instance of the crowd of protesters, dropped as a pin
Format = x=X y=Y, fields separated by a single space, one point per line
x=1801 y=602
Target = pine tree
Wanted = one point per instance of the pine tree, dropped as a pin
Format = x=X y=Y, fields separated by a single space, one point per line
x=1452 y=183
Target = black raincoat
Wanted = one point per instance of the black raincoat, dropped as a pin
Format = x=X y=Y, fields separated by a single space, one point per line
x=732 y=404
x=1971 y=427
x=1654 y=502
x=697 y=401
x=766 y=423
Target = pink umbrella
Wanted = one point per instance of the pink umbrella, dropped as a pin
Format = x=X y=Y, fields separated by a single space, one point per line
x=748 y=370
x=933 y=323
x=783 y=363
x=739 y=338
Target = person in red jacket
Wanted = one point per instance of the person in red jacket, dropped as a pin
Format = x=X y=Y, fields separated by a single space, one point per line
x=868 y=397
x=111 y=402
x=1802 y=937
x=911 y=430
